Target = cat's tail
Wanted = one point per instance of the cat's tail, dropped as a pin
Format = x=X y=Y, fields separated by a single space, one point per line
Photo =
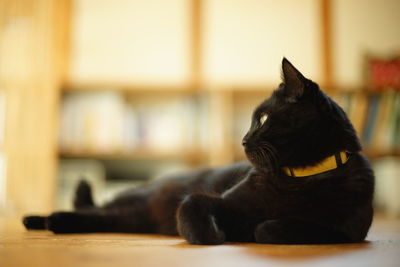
x=83 y=196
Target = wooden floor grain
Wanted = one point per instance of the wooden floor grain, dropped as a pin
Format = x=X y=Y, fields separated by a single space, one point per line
x=19 y=247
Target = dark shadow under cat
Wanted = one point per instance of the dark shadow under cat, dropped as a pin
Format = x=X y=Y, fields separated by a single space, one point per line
x=305 y=183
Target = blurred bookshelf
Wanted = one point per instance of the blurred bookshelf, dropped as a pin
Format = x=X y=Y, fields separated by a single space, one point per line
x=239 y=101
x=373 y=109
x=137 y=122
x=374 y=113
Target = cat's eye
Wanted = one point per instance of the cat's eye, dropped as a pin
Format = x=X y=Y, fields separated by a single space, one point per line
x=263 y=118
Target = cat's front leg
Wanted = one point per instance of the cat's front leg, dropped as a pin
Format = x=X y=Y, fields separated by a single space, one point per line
x=292 y=231
x=196 y=220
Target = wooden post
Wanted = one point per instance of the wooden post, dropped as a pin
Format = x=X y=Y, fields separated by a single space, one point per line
x=196 y=42
x=221 y=150
x=326 y=27
x=30 y=78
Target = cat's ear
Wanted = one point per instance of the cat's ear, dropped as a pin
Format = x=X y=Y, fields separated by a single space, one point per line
x=294 y=81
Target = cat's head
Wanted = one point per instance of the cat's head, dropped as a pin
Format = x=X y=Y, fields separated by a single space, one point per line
x=298 y=126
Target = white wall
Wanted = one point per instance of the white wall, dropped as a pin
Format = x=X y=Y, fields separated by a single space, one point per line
x=130 y=41
x=245 y=40
x=149 y=41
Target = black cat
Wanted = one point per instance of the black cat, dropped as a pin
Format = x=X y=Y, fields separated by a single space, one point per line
x=305 y=183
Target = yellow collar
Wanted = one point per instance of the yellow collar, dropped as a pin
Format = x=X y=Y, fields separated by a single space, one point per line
x=328 y=164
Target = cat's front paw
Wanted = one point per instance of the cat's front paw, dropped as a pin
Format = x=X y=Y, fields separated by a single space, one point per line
x=270 y=232
x=196 y=223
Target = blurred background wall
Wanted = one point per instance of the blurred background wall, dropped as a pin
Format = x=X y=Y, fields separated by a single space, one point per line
x=122 y=91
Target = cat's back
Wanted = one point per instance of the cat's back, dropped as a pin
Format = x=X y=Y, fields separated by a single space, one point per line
x=209 y=180
x=359 y=178
x=212 y=180
x=222 y=178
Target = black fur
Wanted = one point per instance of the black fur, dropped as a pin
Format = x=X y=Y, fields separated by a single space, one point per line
x=252 y=201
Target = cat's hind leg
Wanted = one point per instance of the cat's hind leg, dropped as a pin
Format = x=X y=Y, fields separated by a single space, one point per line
x=100 y=221
x=79 y=222
x=83 y=196
x=69 y=222
x=34 y=222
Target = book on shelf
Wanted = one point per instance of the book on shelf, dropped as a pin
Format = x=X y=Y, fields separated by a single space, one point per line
x=356 y=109
x=382 y=125
x=384 y=73
x=382 y=130
x=375 y=117
x=370 y=123
x=395 y=122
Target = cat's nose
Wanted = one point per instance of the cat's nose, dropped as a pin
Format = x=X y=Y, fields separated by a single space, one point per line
x=245 y=139
x=244 y=142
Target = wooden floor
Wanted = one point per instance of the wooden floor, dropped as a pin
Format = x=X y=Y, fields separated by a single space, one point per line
x=40 y=248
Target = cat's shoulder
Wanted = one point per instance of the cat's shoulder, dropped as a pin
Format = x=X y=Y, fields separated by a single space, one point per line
x=359 y=158
x=359 y=165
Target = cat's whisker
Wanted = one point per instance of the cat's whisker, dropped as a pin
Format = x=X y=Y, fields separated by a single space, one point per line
x=266 y=155
x=274 y=155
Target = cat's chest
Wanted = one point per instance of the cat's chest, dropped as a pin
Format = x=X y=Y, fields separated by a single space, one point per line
x=271 y=197
x=280 y=199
